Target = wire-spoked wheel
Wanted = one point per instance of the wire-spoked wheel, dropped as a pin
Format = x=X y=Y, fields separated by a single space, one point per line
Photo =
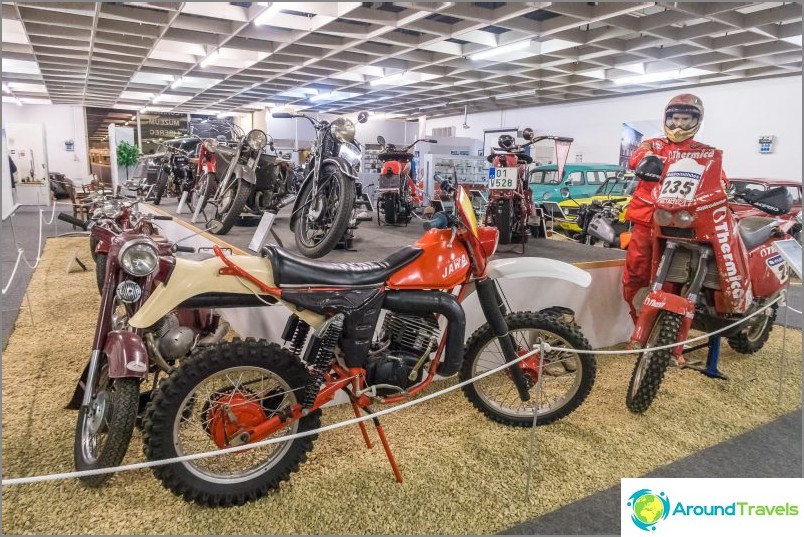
x=557 y=386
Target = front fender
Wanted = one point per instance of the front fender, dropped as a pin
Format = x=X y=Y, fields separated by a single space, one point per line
x=655 y=302
x=191 y=278
x=343 y=166
x=537 y=267
x=126 y=354
x=241 y=171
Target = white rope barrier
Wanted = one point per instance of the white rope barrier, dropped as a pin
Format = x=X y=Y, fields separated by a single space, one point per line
x=216 y=453
x=794 y=310
x=52 y=214
x=14 y=271
x=21 y=251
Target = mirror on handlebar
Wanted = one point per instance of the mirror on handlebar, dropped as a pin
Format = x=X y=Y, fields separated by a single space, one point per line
x=527 y=134
x=430 y=140
x=381 y=141
x=362 y=117
x=282 y=115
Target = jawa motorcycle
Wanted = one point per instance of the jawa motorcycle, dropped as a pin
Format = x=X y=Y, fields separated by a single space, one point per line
x=397 y=194
x=324 y=208
x=175 y=173
x=108 y=393
x=510 y=205
x=246 y=180
x=709 y=268
x=246 y=391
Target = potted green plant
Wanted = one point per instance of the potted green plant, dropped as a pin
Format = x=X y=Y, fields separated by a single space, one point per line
x=127 y=155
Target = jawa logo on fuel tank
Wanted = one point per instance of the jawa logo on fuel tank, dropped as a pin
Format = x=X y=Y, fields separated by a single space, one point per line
x=722 y=234
x=454 y=265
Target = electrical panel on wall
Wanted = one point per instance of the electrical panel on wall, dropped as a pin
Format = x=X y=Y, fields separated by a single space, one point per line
x=766 y=144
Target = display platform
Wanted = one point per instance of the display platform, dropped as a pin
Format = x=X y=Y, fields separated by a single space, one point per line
x=599 y=309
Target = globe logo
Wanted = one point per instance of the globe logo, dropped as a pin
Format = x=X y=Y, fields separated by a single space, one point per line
x=648 y=508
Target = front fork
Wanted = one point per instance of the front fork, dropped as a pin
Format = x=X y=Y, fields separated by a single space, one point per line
x=494 y=309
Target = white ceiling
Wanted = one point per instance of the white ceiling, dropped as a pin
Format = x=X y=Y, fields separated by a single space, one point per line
x=402 y=58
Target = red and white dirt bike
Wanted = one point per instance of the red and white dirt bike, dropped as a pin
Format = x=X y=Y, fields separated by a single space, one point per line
x=243 y=392
x=510 y=205
x=710 y=269
x=397 y=193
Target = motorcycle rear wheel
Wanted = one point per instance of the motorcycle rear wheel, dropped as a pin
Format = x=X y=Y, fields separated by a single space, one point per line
x=389 y=207
x=756 y=336
x=651 y=366
x=103 y=430
x=183 y=419
x=336 y=194
x=566 y=379
x=503 y=221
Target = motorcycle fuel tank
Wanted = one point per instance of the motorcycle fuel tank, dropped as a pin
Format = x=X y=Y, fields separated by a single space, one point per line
x=441 y=266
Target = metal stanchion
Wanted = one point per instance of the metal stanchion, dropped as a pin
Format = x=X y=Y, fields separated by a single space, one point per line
x=532 y=437
x=782 y=358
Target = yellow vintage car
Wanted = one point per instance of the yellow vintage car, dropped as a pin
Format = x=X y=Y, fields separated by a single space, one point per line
x=620 y=186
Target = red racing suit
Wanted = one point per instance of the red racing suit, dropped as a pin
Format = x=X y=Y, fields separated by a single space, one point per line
x=637 y=272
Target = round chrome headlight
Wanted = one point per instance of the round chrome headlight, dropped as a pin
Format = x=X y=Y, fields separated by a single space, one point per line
x=210 y=144
x=139 y=257
x=257 y=139
x=111 y=208
x=683 y=219
x=662 y=217
x=343 y=130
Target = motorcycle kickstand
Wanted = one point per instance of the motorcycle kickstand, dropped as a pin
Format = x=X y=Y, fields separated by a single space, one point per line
x=380 y=433
x=361 y=424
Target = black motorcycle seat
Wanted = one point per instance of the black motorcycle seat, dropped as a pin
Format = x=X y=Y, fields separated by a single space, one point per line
x=755 y=230
x=402 y=156
x=291 y=269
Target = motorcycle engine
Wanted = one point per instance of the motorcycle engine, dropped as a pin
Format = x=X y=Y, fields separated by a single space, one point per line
x=173 y=340
x=404 y=339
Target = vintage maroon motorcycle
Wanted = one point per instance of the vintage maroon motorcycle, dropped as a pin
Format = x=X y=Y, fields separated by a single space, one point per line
x=709 y=269
x=510 y=205
x=108 y=394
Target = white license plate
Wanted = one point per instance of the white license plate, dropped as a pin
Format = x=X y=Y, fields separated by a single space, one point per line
x=503 y=178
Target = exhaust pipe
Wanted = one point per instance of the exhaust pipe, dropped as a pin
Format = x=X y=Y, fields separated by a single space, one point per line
x=216 y=336
x=424 y=302
x=287 y=200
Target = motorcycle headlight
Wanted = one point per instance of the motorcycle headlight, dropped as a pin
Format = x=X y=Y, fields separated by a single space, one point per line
x=662 y=217
x=139 y=257
x=683 y=219
x=350 y=153
x=257 y=139
x=111 y=209
x=343 y=130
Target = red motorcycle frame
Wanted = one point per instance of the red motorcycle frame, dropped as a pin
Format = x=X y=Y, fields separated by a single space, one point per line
x=510 y=206
x=710 y=269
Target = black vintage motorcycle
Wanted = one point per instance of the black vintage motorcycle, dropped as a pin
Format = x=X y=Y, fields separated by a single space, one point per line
x=246 y=180
x=325 y=205
x=175 y=172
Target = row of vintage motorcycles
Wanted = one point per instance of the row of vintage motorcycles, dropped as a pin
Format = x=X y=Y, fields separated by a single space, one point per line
x=379 y=332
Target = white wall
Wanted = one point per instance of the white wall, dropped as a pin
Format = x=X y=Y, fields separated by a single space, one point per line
x=735 y=116
x=61 y=122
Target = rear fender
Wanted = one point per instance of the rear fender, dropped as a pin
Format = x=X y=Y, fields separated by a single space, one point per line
x=537 y=267
x=655 y=302
x=126 y=355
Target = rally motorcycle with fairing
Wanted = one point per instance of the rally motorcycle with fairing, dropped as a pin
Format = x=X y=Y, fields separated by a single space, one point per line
x=108 y=395
x=510 y=203
x=243 y=392
x=324 y=212
x=710 y=268
x=397 y=193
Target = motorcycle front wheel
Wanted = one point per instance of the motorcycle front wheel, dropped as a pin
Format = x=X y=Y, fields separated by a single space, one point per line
x=93 y=244
x=651 y=366
x=204 y=189
x=322 y=221
x=212 y=394
x=564 y=382
x=230 y=205
x=161 y=186
x=103 y=430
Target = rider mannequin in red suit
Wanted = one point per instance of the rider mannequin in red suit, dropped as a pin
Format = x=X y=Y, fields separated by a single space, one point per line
x=682 y=119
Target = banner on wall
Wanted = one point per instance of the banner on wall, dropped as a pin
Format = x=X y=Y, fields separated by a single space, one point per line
x=159 y=126
x=629 y=141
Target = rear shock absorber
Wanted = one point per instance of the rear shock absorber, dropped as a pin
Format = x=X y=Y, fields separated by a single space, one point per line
x=295 y=332
x=320 y=355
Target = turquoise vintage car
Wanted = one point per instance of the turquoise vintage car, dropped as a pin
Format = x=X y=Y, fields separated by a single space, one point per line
x=582 y=179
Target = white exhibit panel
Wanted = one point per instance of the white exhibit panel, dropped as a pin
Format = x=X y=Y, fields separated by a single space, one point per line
x=26 y=147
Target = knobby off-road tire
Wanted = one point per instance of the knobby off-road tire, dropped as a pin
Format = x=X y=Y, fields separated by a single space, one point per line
x=329 y=177
x=123 y=396
x=552 y=328
x=757 y=335
x=389 y=206
x=650 y=367
x=232 y=214
x=161 y=186
x=161 y=417
x=100 y=270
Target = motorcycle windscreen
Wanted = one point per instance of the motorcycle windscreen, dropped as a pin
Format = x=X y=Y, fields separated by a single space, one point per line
x=466 y=211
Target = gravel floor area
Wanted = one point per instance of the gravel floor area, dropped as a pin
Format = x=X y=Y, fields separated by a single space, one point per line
x=463 y=473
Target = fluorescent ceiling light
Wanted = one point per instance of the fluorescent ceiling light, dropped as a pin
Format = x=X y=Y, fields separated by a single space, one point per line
x=178 y=82
x=795 y=40
x=661 y=76
x=501 y=50
x=392 y=79
x=430 y=106
x=333 y=96
x=516 y=94
x=206 y=61
x=268 y=13
x=227 y=114
x=638 y=68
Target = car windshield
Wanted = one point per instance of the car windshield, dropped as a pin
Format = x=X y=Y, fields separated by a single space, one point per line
x=742 y=186
x=545 y=177
x=620 y=185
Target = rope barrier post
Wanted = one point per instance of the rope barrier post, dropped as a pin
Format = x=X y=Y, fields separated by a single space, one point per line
x=782 y=357
x=30 y=309
x=532 y=436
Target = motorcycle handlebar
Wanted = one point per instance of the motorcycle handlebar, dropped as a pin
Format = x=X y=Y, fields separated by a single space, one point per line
x=160 y=217
x=187 y=249
x=74 y=221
